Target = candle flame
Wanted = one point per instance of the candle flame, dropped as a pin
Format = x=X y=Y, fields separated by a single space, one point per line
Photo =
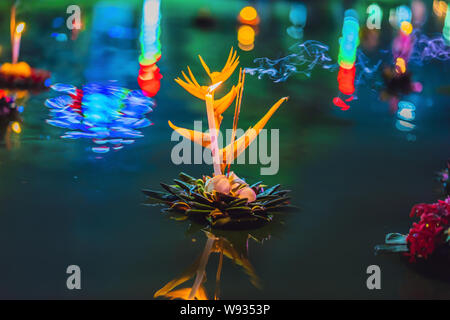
x=400 y=65
x=16 y=127
x=20 y=27
x=214 y=86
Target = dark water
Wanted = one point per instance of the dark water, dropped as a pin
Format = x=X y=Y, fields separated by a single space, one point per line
x=353 y=174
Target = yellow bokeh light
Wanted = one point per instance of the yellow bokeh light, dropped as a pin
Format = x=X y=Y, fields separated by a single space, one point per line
x=406 y=27
x=440 y=8
x=400 y=65
x=15 y=126
x=246 y=35
x=248 y=13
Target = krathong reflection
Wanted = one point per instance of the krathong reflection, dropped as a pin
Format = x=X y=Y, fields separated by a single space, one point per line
x=111 y=116
x=221 y=244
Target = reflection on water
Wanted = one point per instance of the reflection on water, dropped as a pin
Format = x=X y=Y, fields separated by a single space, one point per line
x=109 y=115
x=149 y=77
x=223 y=244
x=11 y=106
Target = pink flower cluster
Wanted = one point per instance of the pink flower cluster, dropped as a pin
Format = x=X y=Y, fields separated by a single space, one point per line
x=428 y=233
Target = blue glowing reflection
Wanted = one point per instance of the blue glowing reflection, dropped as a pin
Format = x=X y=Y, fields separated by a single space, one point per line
x=109 y=115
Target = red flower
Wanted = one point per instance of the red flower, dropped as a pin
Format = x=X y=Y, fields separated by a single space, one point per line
x=427 y=234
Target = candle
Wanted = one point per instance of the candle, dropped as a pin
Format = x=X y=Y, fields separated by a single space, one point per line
x=212 y=129
x=16 y=42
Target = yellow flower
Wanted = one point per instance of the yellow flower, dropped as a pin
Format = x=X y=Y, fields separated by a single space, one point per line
x=227 y=71
x=190 y=84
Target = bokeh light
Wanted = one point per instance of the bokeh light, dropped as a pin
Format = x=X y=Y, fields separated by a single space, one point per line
x=249 y=15
x=246 y=37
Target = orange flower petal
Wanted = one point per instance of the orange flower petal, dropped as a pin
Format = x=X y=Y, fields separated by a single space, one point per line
x=200 y=138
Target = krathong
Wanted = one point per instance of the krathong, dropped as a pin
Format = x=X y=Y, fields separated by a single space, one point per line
x=109 y=115
x=19 y=74
x=430 y=234
x=221 y=200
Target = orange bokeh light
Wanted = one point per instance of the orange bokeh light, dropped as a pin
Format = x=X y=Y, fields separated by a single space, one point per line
x=346 y=80
x=246 y=35
x=400 y=65
x=440 y=8
x=249 y=15
x=406 y=27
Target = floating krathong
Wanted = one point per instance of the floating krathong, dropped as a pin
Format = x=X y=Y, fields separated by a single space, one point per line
x=109 y=115
x=429 y=235
x=19 y=74
x=221 y=200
